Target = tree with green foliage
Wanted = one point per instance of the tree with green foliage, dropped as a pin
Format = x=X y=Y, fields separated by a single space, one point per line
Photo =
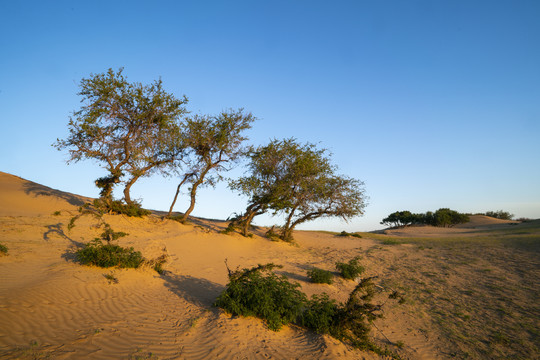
x=298 y=181
x=443 y=217
x=213 y=144
x=129 y=128
x=500 y=214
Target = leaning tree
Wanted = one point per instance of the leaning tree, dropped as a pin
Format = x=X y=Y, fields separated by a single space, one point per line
x=299 y=182
x=213 y=144
x=131 y=129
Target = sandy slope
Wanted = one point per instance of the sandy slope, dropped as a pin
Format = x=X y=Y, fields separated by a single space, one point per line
x=50 y=306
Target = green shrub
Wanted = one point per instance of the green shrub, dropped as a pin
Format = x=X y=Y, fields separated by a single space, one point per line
x=259 y=292
x=3 y=249
x=320 y=276
x=118 y=207
x=346 y=234
x=57 y=213
x=319 y=314
x=108 y=255
x=157 y=264
x=350 y=270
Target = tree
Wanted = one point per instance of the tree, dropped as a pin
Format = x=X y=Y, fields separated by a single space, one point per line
x=214 y=144
x=129 y=128
x=298 y=181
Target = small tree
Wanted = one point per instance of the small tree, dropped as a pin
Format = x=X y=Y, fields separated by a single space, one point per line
x=214 y=144
x=129 y=128
x=298 y=181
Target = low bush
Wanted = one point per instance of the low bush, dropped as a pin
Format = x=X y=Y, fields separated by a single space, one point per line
x=118 y=207
x=320 y=276
x=346 y=234
x=108 y=255
x=259 y=292
x=3 y=249
x=350 y=270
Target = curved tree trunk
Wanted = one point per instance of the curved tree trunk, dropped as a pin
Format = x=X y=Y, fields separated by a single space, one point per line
x=186 y=177
x=127 y=188
x=287 y=229
x=193 y=194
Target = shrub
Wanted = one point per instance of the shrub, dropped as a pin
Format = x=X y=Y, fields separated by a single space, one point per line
x=118 y=207
x=3 y=249
x=350 y=270
x=346 y=234
x=108 y=255
x=260 y=292
x=320 y=276
x=320 y=314
x=57 y=213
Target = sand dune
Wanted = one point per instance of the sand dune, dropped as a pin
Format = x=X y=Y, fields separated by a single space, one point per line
x=52 y=307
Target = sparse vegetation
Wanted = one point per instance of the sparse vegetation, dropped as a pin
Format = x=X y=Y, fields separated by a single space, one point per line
x=346 y=234
x=57 y=213
x=3 y=250
x=107 y=255
x=259 y=292
x=320 y=276
x=350 y=270
x=111 y=278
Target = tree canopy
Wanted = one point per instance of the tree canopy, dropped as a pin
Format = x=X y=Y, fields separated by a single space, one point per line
x=213 y=144
x=299 y=182
x=129 y=128
x=443 y=217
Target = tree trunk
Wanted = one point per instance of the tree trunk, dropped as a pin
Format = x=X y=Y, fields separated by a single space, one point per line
x=193 y=194
x=186 y=177
x=127 y=196
x=286 y=232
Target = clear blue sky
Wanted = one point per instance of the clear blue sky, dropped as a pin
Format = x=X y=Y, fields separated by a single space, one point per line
x=431 y=103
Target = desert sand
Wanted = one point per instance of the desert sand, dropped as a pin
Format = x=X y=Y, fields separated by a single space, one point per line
x=472 y=291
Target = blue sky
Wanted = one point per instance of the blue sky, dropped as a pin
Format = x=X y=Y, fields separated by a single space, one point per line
x=431 y=103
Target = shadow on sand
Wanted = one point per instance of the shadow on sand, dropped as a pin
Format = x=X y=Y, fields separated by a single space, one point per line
x=31 y=188
x=200 y=292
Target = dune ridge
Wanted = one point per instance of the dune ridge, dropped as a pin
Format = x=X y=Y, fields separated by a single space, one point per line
x=51 y=306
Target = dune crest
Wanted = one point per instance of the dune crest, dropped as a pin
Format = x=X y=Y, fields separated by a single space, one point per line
x=52 y=306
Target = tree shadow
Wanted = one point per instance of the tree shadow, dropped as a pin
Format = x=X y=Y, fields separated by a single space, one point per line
x=56 y=229
x=200 y=292
x=31 y=188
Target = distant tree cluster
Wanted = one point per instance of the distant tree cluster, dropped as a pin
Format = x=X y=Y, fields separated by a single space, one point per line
x=134 y=131
x=443 y=217
x=500 y=214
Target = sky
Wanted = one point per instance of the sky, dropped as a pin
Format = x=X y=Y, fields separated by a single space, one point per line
x=430 y=103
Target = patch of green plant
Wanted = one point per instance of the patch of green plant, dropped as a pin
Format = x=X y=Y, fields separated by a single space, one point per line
x=107 y=255
x=320 y=276
x=230 y=229
x=57 y=213
x=118 y=207
x=3 y=249
x=259 y=292
x=350 y=270
x=157 y=264
x=272 y=234
x=111 y=278
x=346 y=234
x=390 y=242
